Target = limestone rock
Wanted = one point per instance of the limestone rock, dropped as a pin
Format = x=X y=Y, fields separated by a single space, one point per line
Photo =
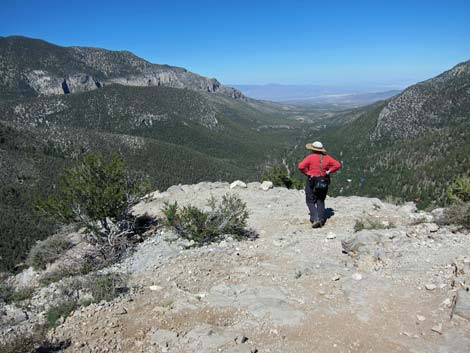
x=238 y=184
x=175 y=189
x=330 y=235
x=437 y=328
x=357 y=276
x=266 y=185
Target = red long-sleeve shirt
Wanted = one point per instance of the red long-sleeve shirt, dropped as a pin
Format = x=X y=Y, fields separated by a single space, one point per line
x=310 y=166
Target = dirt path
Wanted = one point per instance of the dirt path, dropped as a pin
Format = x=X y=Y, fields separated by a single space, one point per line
x=291 y=290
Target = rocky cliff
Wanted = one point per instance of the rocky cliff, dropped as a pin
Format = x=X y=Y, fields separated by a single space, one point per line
x=30 y=67
x=398 y=285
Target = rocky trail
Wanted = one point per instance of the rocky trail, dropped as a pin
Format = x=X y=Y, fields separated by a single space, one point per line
x=294 y=289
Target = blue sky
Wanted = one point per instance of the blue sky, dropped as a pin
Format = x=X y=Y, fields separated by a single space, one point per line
x=255 y=42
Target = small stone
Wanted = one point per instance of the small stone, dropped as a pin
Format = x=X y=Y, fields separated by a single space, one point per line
x=336 y=278
x=357 y=276
x=155 y=288
x=420 y=317
x=121 y=311
x=430 y=286
x=437 y=328
x=241 y=339
x=330 y=235
x=200 y=296
x=266 y=185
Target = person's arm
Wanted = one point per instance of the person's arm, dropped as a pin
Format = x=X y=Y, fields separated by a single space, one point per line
x=332 y=165
x=303 y=165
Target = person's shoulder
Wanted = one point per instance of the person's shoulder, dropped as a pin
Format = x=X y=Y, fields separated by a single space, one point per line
x=330 y=157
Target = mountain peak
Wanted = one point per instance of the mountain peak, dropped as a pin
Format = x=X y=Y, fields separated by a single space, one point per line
x=428 y=104
x=35 y=67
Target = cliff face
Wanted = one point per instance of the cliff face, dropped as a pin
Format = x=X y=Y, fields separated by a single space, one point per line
x=440 y=101
x=31 y=67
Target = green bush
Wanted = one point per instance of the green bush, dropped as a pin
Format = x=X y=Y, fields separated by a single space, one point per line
x=95 y=193
x=47 y=251
x=105 y=286
x=459 y=191
x=279 y=176
x=458 y=213
x=170 y=211
x=228 y=216
x=193 y=224
x=61 y=310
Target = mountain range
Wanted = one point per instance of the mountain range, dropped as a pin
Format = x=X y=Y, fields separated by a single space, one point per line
x=173 y=126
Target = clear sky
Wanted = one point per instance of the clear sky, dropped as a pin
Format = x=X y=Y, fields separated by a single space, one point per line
x=254 y=42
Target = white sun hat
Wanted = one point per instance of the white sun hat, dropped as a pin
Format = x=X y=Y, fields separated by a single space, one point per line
x=316 y=146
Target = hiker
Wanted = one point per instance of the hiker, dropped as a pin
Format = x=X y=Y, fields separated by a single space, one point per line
x=317 y=166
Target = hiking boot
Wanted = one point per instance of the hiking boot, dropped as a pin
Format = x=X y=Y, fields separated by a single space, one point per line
x=316 y=224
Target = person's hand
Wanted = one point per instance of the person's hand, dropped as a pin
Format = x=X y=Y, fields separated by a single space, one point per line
x=327 y=172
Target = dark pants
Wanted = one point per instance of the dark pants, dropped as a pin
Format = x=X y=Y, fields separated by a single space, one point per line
x=315 y=201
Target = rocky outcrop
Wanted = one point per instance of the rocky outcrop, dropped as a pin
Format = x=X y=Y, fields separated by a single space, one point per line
x=45 y=69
